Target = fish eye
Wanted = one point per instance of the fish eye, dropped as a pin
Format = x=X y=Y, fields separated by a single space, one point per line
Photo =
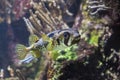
x=66 y=34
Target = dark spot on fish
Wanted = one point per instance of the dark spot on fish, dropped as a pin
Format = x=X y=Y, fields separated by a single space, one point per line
x=66 y=38
x=51 y=35
x=58 y=41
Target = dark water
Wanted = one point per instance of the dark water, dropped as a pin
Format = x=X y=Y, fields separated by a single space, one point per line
x=4 y=58
x=9 y=35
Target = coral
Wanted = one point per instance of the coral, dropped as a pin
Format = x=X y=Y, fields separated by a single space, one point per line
x=11 y=10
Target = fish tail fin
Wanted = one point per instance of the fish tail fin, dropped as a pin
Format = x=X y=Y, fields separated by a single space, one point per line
x=21 y=51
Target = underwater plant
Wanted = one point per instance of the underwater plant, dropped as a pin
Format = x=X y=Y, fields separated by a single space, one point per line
x=12 y=10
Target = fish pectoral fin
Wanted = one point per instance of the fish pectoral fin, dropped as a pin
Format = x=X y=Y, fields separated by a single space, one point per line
x=21 y=51
x=33 y=39
x=49 y=46
x=50 y=41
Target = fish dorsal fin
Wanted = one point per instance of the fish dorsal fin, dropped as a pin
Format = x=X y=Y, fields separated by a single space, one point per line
x=21 y=51
x=33 y=38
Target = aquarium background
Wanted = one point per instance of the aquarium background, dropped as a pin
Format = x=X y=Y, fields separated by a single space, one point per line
x=95 y=57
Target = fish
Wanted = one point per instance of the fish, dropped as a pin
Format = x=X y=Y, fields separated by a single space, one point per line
x=56 y=40
x=28 y=58
x=22 y=50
